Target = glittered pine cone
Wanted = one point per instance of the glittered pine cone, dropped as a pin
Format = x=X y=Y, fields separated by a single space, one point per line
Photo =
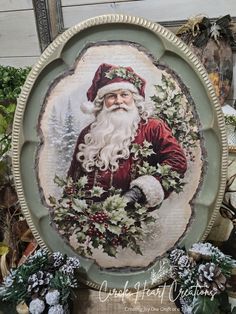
x=185 y=262
x=175 y=256
x=38 y=283
x=210 y=279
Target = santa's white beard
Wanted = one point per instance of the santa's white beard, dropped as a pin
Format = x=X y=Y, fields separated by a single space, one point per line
x=109 y=139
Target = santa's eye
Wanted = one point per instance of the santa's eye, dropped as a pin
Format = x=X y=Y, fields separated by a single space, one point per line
x=125 y=94
x=110 y=96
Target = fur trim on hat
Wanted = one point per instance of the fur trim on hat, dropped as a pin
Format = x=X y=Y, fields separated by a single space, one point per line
x=87 y=107
x=151 y=188
x=116 y=86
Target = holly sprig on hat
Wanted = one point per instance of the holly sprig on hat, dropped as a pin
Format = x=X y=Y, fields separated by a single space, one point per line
x=124 y=74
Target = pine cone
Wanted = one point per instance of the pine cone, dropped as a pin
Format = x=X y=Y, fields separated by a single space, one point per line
x=175 y=256
x=38 y=283
x=185 y=263
x=210 y=279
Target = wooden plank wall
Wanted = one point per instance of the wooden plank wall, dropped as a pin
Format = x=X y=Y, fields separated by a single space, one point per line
x=156 y=10
x=19 y=45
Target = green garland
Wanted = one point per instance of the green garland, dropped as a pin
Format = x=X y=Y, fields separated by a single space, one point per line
x=11 y=81
x=202 y=273
x=42 y=275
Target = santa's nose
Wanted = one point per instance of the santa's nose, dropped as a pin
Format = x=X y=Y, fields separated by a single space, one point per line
x=119 y=99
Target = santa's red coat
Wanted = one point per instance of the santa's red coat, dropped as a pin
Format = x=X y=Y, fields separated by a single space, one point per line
x=167 y=151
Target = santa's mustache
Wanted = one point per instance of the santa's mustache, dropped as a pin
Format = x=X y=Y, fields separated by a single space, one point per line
x=118 y=107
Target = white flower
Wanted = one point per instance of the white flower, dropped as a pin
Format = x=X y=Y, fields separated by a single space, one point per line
x=36 y=306
x=56 y=309
x=52 y=297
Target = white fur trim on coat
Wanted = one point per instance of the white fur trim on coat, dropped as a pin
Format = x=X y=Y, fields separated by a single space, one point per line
x=116 y=86
x=151 y=188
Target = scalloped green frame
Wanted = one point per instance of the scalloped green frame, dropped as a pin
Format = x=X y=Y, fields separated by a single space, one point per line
x=57 y=58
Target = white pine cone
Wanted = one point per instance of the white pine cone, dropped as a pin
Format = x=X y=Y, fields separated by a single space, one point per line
x=175 y=256
x=210 y=279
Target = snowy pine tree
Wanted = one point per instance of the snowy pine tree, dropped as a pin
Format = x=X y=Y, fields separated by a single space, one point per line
x=55 y=131
x=68 y=137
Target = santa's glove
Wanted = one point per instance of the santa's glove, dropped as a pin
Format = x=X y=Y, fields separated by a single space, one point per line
x=134 y=195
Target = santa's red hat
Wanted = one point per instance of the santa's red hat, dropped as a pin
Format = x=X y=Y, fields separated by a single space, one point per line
x=110 y=77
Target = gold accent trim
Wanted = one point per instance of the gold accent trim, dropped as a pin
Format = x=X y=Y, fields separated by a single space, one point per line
x=57 y=45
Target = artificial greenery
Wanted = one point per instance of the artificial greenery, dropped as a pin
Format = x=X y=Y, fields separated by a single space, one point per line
x=11 y=81
x=202 y=273
x=44 y=281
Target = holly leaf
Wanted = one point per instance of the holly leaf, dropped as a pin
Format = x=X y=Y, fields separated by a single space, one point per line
x=134 y=246
x=95 y=243
x=115 y=203
x=149 y=219
x=114 y=229
x=110 y=250
x=52 y=200
x=140 y=209
x=159 y=88
x=82 y=182
x=204 y=304
x=59 y=181
x=80 y=236
x=100 y=227
x=89 y=251
x=97 y=191
x=79 y=205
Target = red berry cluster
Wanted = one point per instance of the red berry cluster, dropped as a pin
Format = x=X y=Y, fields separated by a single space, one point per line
x=99 y=217
x=69 y=190
x=94 y=232
x=116 y=241
x=69 y=203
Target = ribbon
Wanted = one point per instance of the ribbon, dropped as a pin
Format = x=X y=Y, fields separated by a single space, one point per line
x=205 y=29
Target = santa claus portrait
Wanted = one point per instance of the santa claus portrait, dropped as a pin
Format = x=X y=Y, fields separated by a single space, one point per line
x=121 y=159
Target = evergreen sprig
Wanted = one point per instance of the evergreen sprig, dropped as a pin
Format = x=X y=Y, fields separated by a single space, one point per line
x=11 y=81
x=40 y=274
x=202 y=272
